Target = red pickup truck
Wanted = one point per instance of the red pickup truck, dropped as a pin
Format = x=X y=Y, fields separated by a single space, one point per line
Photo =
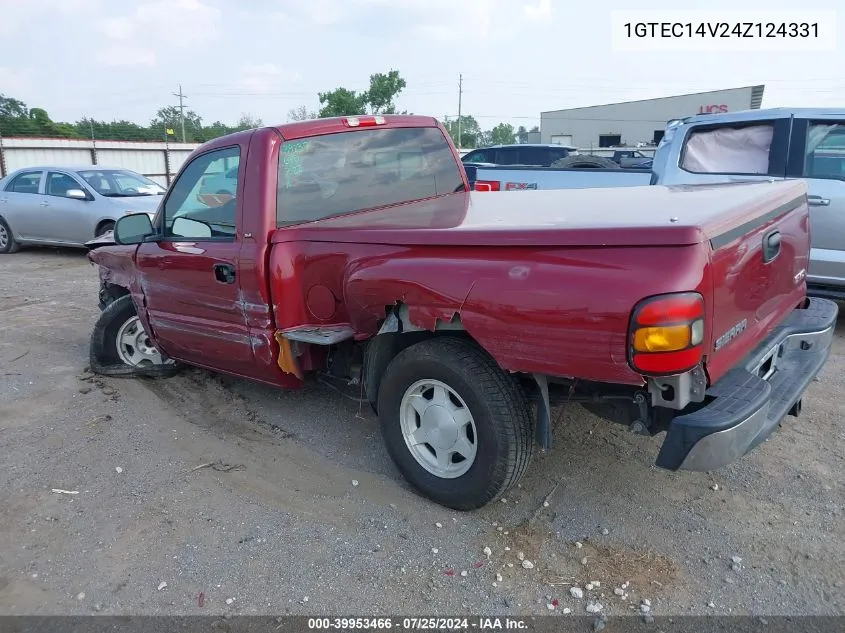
x=352 y=246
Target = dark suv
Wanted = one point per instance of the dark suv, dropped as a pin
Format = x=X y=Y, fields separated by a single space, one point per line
x=523 y=154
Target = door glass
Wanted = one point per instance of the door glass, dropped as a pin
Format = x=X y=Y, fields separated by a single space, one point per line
x=824 y=153
x=533 y=156
x=25 y=183
x=507 y=156
x=59 y=184
x=199 y=194
x=479 y=156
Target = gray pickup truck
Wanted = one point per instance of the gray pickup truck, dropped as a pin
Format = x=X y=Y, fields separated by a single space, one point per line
x=771 y=144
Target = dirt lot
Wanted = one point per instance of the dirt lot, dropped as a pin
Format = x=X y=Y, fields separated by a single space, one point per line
x=278 y=524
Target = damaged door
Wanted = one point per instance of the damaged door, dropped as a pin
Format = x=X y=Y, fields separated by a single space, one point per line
x=190 y=276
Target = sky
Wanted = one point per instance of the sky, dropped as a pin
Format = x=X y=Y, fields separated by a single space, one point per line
x=111 y=59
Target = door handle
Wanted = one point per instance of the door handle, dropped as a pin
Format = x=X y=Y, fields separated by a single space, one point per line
x=818 y=201
x=45 y=203
x=771 y=245
x=224 y=273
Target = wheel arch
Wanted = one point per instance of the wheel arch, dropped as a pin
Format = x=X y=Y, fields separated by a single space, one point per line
x=396 y=333
x=102 y=222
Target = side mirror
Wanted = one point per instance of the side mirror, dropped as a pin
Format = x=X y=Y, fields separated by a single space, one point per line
x=133 y=229
x=76 y=194
x=187 y=227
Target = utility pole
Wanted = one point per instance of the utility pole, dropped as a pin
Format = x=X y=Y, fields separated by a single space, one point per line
x=181 y=110
x=460 y=95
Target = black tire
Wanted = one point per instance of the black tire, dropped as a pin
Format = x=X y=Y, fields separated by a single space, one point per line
x=104 y=227
x=104 y=358
x=585 y=161
x=499 y=407
x=11 y=246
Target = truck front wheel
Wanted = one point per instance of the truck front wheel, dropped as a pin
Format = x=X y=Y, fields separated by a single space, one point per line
x=121 y=347
x=458 y=427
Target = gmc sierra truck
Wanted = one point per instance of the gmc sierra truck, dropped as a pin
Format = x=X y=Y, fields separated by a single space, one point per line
x=353 y=247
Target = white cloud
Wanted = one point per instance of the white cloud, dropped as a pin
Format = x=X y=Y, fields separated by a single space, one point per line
x=12 y=82
x=155 y=26
x=116 y=28
x=540 y=11
x=127 y=55
x=266 y=77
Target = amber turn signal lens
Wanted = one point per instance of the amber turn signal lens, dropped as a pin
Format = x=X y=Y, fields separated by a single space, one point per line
x=662 y=339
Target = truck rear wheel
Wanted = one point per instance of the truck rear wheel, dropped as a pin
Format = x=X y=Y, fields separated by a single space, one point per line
x=120 y=346
x=585 y=161
x=458 y=427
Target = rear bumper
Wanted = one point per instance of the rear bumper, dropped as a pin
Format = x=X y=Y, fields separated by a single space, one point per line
x=744 y=406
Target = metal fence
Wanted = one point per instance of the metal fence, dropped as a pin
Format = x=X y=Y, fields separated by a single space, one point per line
x=159 y=161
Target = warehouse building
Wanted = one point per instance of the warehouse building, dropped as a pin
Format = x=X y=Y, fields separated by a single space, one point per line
x=634 y=122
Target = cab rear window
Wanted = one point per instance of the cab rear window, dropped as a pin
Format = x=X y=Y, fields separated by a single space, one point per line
x=334 y=174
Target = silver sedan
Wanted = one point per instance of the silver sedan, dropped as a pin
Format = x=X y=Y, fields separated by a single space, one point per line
x=68 y=206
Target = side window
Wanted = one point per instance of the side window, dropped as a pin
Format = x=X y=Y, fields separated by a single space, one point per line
x=198 y=207
x=507 y=156
x=729 y=150
x=478 y=156
x=25 y=183
x=533 y=156
x=59 y=184
x=556 y=154
x=824 y=153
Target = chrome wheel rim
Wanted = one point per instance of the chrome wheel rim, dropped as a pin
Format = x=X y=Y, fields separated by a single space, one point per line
x=438 y=428
x=4 y=237
x=134 y=346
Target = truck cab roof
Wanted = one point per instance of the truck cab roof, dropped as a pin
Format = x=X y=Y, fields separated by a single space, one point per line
x=767 y=113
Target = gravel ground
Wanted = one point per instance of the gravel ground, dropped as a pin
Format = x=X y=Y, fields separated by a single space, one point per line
x=246 y=499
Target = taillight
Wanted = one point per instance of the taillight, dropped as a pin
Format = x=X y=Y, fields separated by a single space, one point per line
x=487 y=185
x=364 y=121
x=667 y=333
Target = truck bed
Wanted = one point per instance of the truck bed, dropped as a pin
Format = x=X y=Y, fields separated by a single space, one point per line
x=636 y=216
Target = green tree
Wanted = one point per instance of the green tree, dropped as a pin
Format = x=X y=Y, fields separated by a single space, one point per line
x=12 y=108
x=167 y=118
x=383 y=90
x=249 y=121
x=45 y=126
x=377 y=99
x=342 y=102
x=534 y=130
x=218 y=128
x=521 y=134
x=115 y=130
x=502 y=134
x=301 y=114
x=470 y=131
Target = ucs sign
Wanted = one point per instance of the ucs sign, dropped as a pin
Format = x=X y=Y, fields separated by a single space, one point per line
x=711 y=109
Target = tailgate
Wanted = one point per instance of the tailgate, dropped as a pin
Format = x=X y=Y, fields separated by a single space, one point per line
x=759 y=267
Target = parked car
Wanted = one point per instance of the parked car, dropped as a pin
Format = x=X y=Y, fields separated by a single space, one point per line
x=67 y=206
x=753 y=145
x=354 y=249
x=629 y=158
x=541 y=155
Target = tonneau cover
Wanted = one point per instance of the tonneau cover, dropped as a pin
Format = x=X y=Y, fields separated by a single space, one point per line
x=617 y=216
